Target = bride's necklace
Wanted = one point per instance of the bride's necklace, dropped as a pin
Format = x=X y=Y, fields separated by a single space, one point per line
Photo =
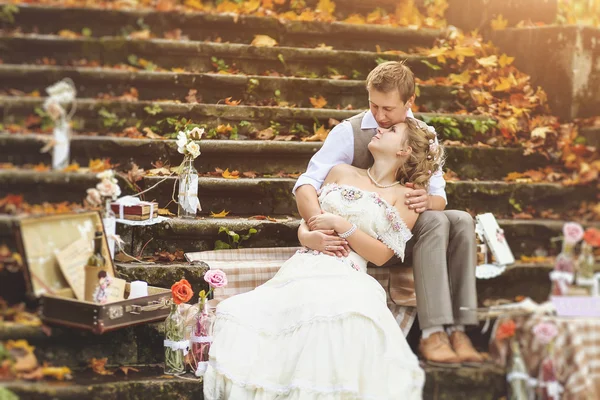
x=377 y=183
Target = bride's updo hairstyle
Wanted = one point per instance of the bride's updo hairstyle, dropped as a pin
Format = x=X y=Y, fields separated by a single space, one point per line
x=426 y=157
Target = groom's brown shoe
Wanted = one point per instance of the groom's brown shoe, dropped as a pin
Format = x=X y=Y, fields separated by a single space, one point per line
x=464 y=348
x=436 y=349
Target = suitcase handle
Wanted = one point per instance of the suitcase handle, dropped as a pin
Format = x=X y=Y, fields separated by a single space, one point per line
x=152 y=306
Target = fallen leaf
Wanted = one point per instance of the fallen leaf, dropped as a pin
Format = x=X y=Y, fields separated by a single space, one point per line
x=165 y=212
x=541 y=132
x=320 y=135
x=263 y=41
x=262 y=218
x=73 y=167
x=142 y=34
x=522 y=215
x=230 y=102
x=222 y=214
x=249 y=174
x=41 y=167
x=98 y=365
x=325 y=6
x=58 y=373
x=135 y=174
x=505 y=60
x=150 y=134
x=285 y=138
x=65 y=33
x=323 y=46
x=126 y=370
x=230 y=175
x=318 y=102
x=499 y=23
x=192 y=96
x=266 y=134
x=491 y=61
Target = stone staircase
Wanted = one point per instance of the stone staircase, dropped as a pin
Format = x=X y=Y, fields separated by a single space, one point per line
x=218 y=61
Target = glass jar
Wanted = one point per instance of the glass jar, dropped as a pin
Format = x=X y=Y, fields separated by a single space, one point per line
x=188 y=200
x=109 y=219
x=176 y=347
x=585 y=263
x=202 y=336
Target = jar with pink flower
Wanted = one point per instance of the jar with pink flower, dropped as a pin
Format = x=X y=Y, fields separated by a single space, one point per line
x=202 y=329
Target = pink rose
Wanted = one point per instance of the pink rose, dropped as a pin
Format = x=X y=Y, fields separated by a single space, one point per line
x=216 y=278
x=545 y=332
x=573 y=232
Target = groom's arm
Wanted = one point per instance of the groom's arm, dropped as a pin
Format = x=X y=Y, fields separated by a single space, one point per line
x=338 y=148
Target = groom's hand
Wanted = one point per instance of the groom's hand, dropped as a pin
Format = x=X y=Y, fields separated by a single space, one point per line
x=417 y=199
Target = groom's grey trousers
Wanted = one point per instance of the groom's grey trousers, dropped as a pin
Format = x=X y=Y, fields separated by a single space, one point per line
x=443 y=255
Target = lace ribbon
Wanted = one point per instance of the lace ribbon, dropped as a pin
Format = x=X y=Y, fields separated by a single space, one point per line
x=201 y=339
x=179 y=345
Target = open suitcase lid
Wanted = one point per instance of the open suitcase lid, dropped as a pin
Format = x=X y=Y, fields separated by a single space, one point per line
x=39 y=238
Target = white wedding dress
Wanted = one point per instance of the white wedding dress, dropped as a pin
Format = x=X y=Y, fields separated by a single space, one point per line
x=320 y=329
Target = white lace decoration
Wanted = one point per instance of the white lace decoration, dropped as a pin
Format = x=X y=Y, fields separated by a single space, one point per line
x=369 y=211
x=179 y=345
x=201 y=368
x=201 y=339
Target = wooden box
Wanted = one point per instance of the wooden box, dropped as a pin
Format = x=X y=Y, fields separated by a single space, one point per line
x=38 y=238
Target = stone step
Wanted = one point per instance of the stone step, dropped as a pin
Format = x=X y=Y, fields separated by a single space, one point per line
x=269 y=157
x=113 y=115
x=591 y=135
x=211 y=87
x=225 y=27
x=485 y=383
x=198 y=56
x=524 y=236
x=273 y=196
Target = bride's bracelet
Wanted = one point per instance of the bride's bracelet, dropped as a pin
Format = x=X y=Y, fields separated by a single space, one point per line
x=349 y=232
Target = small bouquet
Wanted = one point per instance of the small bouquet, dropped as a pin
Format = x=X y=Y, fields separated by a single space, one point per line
x=107 y=189
x=176 y=347
x=187 y=144
x=201 y=338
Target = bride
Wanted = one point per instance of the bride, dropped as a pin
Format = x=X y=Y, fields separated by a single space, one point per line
x=321 y=329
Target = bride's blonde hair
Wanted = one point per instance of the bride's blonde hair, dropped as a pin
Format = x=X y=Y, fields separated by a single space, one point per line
x=426 y=158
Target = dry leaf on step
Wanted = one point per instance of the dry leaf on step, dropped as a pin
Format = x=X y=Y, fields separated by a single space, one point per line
x=230 y=175
x=98 y=365
x=263 y=41
x=222 y=214
x=318 y=102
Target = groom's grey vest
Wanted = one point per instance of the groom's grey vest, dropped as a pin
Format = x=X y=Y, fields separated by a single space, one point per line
x=362 y=156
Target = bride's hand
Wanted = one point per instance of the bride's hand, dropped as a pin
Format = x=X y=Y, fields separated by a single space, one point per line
x=325 y=241
x=325 y=221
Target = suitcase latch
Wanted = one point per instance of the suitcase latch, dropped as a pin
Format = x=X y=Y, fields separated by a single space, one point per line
x=115 y=312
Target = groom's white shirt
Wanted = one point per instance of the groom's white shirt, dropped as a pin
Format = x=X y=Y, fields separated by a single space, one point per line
x=338 y=148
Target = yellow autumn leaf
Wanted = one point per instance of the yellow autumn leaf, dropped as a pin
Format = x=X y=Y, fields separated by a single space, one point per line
x=461 y=79
x=228 y=7
x=19 y=344
x=224 y=129
x=491 y=61
x=230 y=102
x=499 y=23
x=503 y=85
x=355 y=19
x=375 y=15
x=250 y=6
x=464 y=51
x=222 y=214
x=194 y=4
x=318 y=102
x=319 y=136
x=263 y=41
x=178 y=70
x=505 y=60
x=58 y=373
x=230 y=175
x=439 y=52
x=323 y=46
x=326 y=7
x=65 y=33
x=74 y=167
x=510 y=124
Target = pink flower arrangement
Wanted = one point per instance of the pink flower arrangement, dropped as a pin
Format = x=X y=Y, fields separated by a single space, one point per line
x=215 y=278
x=573 y=232
x=545 y=332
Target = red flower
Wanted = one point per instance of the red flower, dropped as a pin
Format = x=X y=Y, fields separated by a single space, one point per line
x=182 y=292
x=506 y=330
x=592 y=237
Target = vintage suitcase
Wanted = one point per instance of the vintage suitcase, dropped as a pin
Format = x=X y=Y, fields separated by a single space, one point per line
x=38 y=238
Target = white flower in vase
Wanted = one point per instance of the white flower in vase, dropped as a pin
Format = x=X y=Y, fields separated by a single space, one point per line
x=193 y=149
x=94 y=198
x=107 y=174
x=107 y=188
x=182 y=141
x=54 y=109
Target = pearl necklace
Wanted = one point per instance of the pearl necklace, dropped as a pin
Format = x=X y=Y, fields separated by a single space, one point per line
x=377 y=183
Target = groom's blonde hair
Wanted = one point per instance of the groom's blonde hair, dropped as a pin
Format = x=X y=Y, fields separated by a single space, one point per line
x=392 y=75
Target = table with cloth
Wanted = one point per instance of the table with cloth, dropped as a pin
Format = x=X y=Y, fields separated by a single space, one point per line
x=248 y=268
x=575 y=355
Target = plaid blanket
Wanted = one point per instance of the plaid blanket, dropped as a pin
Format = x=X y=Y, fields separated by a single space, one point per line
x=576 y=355
x=248 y=268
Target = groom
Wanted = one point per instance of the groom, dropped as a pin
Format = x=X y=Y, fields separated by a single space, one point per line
x=443 y=247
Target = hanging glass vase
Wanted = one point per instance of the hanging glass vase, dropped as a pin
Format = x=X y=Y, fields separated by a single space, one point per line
x=202 y=336
x=188 y=200
x=176 y=347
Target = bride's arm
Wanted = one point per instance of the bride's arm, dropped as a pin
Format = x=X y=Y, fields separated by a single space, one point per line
x=366 y=246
